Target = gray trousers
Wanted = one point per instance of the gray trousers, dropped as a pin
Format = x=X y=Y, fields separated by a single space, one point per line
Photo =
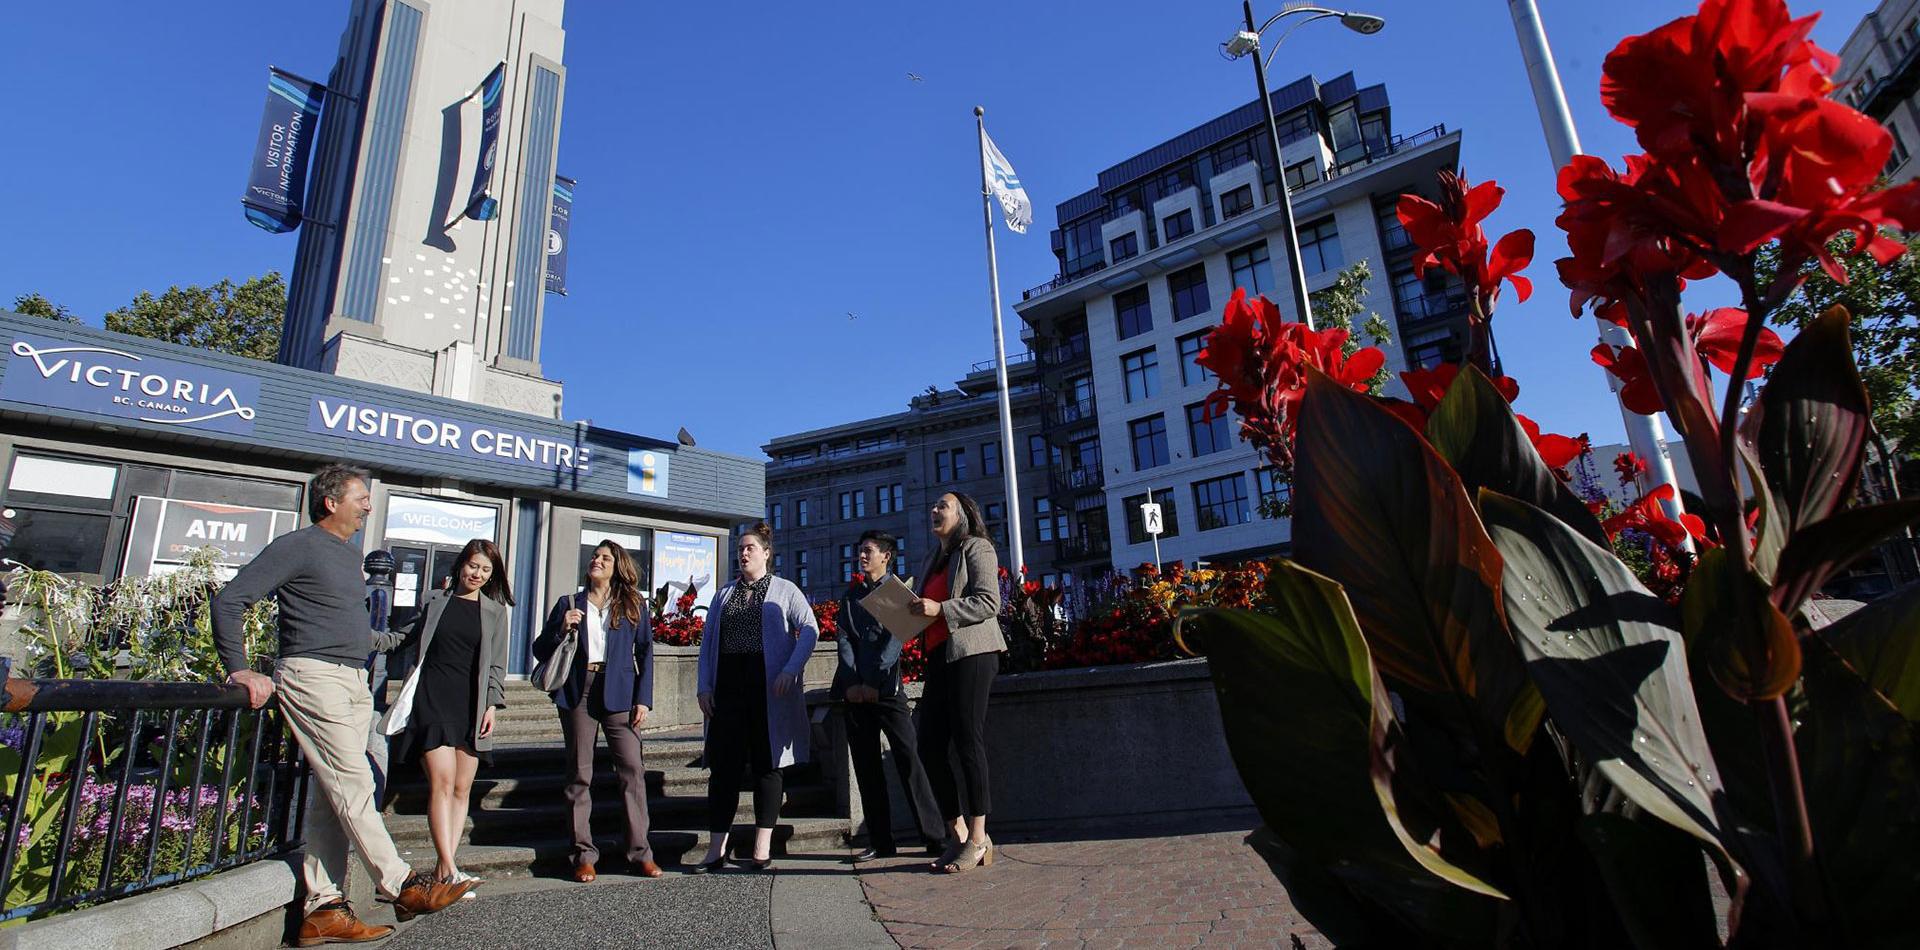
x=581 y=725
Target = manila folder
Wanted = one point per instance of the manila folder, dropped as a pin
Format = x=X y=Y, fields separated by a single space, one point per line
x=888 y=604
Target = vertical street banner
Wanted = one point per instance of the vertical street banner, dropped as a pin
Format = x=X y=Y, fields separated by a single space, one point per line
x=557 y=228
x=277 y=182
x=481 y=204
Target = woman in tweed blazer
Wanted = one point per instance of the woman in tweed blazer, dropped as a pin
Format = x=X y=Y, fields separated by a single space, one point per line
x=963 y=646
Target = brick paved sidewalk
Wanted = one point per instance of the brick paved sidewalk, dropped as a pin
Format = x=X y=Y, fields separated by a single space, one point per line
x=1205 y=890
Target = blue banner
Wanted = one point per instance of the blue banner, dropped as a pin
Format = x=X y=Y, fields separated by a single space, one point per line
x=481 y=205
x=42 y=371
x=277 y=182
x=385 y=425
x=557 y=227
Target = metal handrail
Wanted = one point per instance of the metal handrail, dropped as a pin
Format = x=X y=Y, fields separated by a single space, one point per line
x=147 y=757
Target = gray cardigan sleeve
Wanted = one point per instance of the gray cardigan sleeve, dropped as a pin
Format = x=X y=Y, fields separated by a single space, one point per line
x=980 y=601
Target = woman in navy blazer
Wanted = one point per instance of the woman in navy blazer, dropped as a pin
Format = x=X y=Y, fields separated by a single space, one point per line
x=610 y=689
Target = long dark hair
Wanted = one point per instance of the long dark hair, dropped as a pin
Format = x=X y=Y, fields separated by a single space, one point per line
x=623 y=588
x=972 y=525
x=496 y=586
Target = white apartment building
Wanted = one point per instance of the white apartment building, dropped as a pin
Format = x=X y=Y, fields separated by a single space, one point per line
x=1149 y=257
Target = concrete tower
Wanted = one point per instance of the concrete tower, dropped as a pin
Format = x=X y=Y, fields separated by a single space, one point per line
x=392 y=283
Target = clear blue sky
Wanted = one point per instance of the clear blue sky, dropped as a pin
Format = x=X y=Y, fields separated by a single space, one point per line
x=750 y=173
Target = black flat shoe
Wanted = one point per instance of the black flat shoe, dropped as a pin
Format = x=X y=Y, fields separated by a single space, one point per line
x=719 y=864
x=756 y=865
x=873 y=854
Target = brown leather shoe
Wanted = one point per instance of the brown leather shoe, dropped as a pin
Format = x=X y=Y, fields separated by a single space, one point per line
x=335 y=923
x=646 y=869
x=583 y=873
x=425 y=895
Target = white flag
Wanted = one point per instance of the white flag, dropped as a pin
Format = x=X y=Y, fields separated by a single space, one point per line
x=1006 y=187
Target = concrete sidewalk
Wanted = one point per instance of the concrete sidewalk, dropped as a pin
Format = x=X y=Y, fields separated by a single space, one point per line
x=1192 y=890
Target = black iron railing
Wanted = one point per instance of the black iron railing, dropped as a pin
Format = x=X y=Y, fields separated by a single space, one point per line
x=116 y=787
x=1069 y=480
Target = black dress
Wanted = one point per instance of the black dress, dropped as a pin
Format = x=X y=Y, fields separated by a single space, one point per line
x=445 y=702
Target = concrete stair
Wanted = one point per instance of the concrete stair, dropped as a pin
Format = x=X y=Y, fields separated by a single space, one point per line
x=518 y=820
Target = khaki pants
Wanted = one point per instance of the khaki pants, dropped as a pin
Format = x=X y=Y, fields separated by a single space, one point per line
x=330 y=712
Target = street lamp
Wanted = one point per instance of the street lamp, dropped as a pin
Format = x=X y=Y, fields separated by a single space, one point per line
x=1248 y=41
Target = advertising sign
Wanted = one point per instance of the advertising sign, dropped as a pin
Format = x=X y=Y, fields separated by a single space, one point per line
x=679 y=558
x=481 y=205
x=48 y=372
x=167 y=531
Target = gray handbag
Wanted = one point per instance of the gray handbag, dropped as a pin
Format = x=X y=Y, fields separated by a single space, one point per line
x=551 y=673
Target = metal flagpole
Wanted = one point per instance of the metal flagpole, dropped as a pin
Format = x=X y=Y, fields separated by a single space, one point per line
x=1007 y=451
x=1645 y=434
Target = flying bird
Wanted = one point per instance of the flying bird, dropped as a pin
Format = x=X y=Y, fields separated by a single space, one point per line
x=915 y=77
x=852 y=316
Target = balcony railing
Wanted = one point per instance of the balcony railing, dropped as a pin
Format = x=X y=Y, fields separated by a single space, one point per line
x=1430 y=307
x=1062 y=280
x=840 y=452
x=1393 y=145
x=1082 y=547
x=1073 y=350
x=123 y=786
x=1068 y=480
x=1066 y=414
x=1025 y=356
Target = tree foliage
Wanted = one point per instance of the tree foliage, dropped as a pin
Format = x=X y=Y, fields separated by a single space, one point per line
x=37 y=305
x=1883 y=302
x=1344 y=303
x=242 y=319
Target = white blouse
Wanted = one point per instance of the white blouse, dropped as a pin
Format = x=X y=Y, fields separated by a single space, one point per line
x=597 y=632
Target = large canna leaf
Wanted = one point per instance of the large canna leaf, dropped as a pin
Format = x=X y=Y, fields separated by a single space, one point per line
x=1747 y=644
x=1881 y=641
x=1657 y=879
x=1809 y=425
x=1861 y=770
x=1609 y=658
x=1770 y=523
x=1820 y=550
x=1379 y=511
x=1315 y=740
x=1474 y=429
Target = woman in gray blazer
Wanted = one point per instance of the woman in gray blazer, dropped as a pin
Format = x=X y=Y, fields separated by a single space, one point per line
x=963 y=646
x=448 y=722
x=760 y=631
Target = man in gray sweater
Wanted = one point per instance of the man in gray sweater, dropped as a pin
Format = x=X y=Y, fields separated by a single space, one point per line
x=325 y=638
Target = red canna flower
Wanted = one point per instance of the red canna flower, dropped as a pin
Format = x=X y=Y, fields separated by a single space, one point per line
x=1716 y=335
x=1629 y=467
x=1429 y=386
x=1649 y=516
x=1629 y=365
x=1262 y=365
x=1449 y=235
x=1558 y=451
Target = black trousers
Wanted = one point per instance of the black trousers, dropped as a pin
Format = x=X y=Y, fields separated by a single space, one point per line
x=737 y=740
x=865 y=723
x=953 y=733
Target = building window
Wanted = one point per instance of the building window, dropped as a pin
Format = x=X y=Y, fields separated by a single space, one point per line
x=1176 y=225
x=1251 y=270
x=800 y=512
x=776 y=515
x=899 y=493
x=1175 y=180
x=996 y=514
x=1430 y=347
x=1237 y=202
x=1898 y=156
x=1301 y=174
x=1232 y=154
x=900 y=567
x=1295 y=127
x=1137 y=527
x=1141 y=373
x=1276 y=492
x=1050 y=523
x=1149 y=441
x=1208 y=436
x=1036 y=451
x=1132 y=314
x=1083 y=247
x=1221 y=502
x=1124 y=246
x=846 y=562
x=1190 y=369
x=1320 y=247
x=779 y=563
x=1086 y=457
x=800 y=560
x=1189 y=291
x=989 y=458
x=853 y=504
x=58 y=514
x=949 y=465
x=1393 y=235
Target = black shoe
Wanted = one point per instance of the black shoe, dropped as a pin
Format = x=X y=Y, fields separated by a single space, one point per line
x=719 y=864
x=874 y=854
x=757 y=865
